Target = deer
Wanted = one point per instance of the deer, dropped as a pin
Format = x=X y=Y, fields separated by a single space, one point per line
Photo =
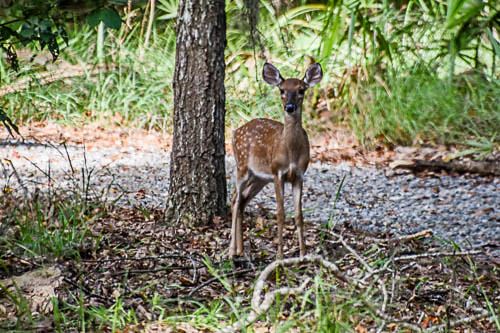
x=268 y=151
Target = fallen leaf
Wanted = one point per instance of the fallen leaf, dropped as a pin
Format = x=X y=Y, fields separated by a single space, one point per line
x=485 y=211
x=360 y=328
x=427 y=320
x=37 y=286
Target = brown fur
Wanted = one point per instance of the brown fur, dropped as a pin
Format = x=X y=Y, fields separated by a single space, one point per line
x=269 y=151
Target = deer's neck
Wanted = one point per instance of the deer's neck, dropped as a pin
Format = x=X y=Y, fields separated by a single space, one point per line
x=293 y=134
x=293 y=125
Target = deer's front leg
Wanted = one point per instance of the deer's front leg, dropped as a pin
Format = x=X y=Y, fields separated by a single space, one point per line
x=297 y=203
x=234 y=226
x=279 y=188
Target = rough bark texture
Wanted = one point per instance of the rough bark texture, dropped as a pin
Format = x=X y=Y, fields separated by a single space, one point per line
x=198 y=189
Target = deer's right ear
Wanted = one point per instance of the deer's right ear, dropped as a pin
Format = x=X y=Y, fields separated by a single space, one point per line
x=314 y=74
x=271 y=74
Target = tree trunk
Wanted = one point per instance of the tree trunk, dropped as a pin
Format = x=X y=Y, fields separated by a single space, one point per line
x=197 y=191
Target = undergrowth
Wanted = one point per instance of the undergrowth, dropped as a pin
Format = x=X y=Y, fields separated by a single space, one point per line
x=381 y=102
x=126 y=91
x=422 y=108
x=70 y=263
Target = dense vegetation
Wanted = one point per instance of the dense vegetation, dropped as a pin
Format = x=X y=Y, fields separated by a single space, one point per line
x=405 y=72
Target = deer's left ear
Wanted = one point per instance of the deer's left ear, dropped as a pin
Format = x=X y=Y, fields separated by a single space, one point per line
x=271 y=75
x=314 y=74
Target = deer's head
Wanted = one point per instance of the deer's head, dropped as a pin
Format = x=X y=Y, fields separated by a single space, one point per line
x=292 y=90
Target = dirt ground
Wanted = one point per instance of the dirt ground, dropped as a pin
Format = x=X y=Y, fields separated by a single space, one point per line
x=136 y=257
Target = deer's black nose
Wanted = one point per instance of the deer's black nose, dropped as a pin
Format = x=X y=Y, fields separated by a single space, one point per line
x=290 y=107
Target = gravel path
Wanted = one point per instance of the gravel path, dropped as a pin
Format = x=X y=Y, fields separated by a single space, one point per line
x=463 y=209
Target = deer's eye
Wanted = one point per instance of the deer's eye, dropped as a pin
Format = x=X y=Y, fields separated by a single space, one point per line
x=302 y=91
x=282 y=91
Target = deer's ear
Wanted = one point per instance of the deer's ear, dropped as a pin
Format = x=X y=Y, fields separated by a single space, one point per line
x=271 y=74
x=314 y=74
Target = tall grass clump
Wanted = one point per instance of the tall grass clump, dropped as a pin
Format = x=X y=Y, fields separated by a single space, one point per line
x=124 y=90
x=129 y=84
x=45 y=227
x=422 y=108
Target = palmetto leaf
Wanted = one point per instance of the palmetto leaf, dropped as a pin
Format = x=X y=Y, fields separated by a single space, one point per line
x=494 y=43
x=8 y=124
x=332 y=31
x=452 y=9
x=461 y=14
x=169 y=7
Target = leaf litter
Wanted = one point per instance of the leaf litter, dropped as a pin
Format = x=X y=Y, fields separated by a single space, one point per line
x=136 y=257
x=139 y=258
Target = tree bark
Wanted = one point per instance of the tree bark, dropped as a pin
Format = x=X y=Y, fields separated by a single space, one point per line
x=198 y=191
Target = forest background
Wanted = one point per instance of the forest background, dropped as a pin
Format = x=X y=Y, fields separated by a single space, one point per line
x=398 y=72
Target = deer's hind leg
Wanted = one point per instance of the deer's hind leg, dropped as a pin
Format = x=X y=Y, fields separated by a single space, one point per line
x=241 y=197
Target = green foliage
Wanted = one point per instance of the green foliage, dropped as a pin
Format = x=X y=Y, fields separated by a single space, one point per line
x=359 y=44
x=129 y=93
x=481 y=147
x=168 y=9
x=422 y=107
x=116 y=316
x=106 y=15
x=21 y=303
x=42 y=23
x=58 y=229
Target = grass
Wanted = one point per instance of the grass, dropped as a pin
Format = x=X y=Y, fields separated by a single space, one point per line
x=65 y=234
x=410 y=107
x=99 y=290
x=413 y=109
x=48 y=225
x=36 y=234
x=129 y=91
x=422 y=108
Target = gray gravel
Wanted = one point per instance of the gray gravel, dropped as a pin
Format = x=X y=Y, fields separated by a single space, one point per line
x=463 y=209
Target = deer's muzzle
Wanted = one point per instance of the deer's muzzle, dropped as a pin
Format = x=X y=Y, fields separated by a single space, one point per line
x=290 y=107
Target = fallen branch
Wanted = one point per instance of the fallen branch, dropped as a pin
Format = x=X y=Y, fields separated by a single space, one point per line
x=454 y=323
x=86 y=290
x=485 y=168
x=45 y=78
x=405 y=238
x=163 y=256
x=259 y=286
x=155 y=270
x=261 y=302
x=437 y=254
x=259 y=307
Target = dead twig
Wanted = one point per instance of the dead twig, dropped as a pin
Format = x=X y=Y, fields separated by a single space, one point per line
x=405 y=238
x=216 y=278
x=437 y=254
x=45 y=78
x=163 y=256
x=156 y=270
x=454 y=323
x=14 y=171
x=259 y=307
x=87 y=291
x=266 y=304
